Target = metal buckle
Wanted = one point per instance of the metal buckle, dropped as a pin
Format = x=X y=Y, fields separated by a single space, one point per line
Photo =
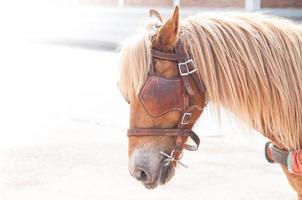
x=184 y=117
x=186 y=70
x=171 y=158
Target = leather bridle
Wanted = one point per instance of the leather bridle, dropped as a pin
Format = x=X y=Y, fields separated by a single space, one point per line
x=155 y=96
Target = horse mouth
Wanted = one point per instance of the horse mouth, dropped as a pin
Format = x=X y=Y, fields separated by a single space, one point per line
x=150 y=185
x=165 y=175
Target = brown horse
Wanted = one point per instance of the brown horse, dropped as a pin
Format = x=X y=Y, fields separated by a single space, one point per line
x=250 y=64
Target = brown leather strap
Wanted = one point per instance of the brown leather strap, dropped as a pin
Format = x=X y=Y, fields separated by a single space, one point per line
x=151 y=69
x=180 y=56
x=187 y=85
x=182 y=59
x=168 y=132
x=158 y=132
x=165 y=55
x=186 y=121
x=180 y=51
x=195 y=139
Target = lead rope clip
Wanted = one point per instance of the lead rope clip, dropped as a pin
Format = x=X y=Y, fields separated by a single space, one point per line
x=170 y=158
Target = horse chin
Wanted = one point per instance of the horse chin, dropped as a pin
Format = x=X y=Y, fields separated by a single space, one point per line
x=166 y=174
x=150 y=185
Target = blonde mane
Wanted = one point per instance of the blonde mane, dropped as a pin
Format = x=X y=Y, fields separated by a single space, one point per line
x=249 y=63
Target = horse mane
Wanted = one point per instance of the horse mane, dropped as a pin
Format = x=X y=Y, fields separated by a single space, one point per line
x=250 y=63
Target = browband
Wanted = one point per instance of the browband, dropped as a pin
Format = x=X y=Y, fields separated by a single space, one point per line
x=165 y=55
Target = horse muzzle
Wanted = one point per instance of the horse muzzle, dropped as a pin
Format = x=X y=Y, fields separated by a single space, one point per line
x=150 y=168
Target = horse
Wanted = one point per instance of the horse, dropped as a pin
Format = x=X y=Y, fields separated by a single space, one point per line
x=248 y=63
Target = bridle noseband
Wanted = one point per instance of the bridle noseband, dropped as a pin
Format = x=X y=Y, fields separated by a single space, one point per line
x=160 y=96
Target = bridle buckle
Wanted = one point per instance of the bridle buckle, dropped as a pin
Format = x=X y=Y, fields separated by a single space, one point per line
x=186 y=118
x=184 y=69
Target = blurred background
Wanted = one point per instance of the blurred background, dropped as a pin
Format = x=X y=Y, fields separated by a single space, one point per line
x=103 y=24
x=63 y=122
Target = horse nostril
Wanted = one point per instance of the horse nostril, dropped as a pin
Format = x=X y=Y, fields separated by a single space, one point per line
x=140 y=175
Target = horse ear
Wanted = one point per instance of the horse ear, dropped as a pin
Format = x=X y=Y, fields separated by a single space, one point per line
x=167 y=35
x=155 y=13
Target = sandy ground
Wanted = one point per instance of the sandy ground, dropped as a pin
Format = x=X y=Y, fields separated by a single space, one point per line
x=63 y=136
